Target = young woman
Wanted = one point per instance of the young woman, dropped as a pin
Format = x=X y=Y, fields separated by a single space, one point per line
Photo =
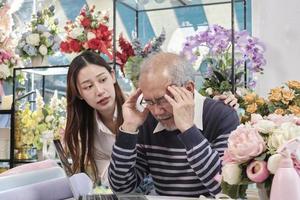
x=94 y=101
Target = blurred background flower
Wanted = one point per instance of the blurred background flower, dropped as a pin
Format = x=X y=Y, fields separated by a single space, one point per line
x=33 y=126
x=131 y=55
x=88 y=31
x=210 y=51
x=41 y=37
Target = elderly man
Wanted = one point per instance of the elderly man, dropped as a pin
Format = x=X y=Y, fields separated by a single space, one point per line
x=179 y=142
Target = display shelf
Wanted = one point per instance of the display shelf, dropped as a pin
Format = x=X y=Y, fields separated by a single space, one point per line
x=46 y=80
x=5 y=111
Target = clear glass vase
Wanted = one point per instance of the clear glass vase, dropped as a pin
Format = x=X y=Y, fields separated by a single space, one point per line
x=262 y=192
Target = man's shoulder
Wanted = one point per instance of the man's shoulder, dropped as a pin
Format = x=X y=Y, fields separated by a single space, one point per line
x=216 y=107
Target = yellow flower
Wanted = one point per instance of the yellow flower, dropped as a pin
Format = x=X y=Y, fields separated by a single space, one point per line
x=250 y=98
x=275 y=94
x=260 y=101
x=279 y=111
x=295 y=110
x=294 y=84
x=251 y=108
x=288 y=95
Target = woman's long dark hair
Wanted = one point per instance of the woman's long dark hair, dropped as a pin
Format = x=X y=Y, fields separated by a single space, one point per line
x=80 y=127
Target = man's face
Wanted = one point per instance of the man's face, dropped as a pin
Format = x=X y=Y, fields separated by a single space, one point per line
x=154 y=88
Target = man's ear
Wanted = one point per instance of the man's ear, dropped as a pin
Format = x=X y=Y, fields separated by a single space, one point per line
x=190 y=86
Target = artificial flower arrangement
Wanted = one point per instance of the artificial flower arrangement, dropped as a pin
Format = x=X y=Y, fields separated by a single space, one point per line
x=252 y=153
x=39 y=127
x=41 y=37
x=281 y=100
x=131 y=55
x=89 y=31
x=213 y=49
x=285 y=99
x=8 y=60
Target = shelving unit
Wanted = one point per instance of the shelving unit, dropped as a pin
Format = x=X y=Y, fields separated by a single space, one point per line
x=140 y=13
x=38 y=78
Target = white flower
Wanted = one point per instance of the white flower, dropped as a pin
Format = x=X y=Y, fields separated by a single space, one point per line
x=273 y=163
x=265 y=126
x=241 y=91
x=76 y=32
x=4 y=71
x=284 y=133
x=255 y=118
x=49 y=118
x=209 y=91
x=91 y=35
x=46 y=34
x=43 y=50
x=33 y=39
x=54 y=101
x=231 y=173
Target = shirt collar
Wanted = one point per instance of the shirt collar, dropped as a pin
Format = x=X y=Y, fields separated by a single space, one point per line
x=199 y=102
x=101 y=125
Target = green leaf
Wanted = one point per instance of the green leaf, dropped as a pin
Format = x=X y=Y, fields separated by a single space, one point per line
x=261 y=157
x=234 y=191
x=219 y=76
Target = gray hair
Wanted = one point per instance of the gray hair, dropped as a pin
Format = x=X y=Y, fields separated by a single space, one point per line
x=179 y=69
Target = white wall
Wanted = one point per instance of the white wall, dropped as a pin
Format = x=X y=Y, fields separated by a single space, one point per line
x=277 y=24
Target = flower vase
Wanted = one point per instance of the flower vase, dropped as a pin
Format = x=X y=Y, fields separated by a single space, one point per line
x=39 y=61
x=262 y=192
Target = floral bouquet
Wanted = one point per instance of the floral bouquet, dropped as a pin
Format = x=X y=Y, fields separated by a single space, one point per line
x=213 y=48
x=8 y=59
x=7 y=62
x=41 y=126
x=88 y=31
x=41 y=38
x=251 y=156
x=281 y=100
x=132 y=55
x=285 y=99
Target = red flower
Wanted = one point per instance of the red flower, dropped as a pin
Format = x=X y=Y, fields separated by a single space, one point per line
x=94 y=43
x=64 y=47
x=75 y=45
x=86 y=22
x=126 y=52
x=102 y=43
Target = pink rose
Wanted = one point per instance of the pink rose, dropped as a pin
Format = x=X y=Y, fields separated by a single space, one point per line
x=257 y=171
x=245 y=143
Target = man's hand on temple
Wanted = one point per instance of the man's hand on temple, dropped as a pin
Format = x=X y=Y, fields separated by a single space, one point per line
x=183 y=107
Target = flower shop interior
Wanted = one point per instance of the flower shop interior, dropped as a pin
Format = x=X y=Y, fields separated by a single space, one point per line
x=247 y=49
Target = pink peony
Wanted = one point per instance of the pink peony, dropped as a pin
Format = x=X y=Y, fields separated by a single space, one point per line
x=244 y=143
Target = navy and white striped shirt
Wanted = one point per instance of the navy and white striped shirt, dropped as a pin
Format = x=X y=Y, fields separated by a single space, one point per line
x=181 y=164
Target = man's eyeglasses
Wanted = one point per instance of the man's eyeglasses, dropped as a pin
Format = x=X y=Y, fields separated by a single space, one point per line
x=160 y=101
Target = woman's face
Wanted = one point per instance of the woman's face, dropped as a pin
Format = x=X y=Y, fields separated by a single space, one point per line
x=96 y=87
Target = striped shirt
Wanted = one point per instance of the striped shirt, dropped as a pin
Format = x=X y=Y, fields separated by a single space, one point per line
x=181 y=164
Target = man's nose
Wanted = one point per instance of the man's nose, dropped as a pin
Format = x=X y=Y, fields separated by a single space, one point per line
x=158 y=110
